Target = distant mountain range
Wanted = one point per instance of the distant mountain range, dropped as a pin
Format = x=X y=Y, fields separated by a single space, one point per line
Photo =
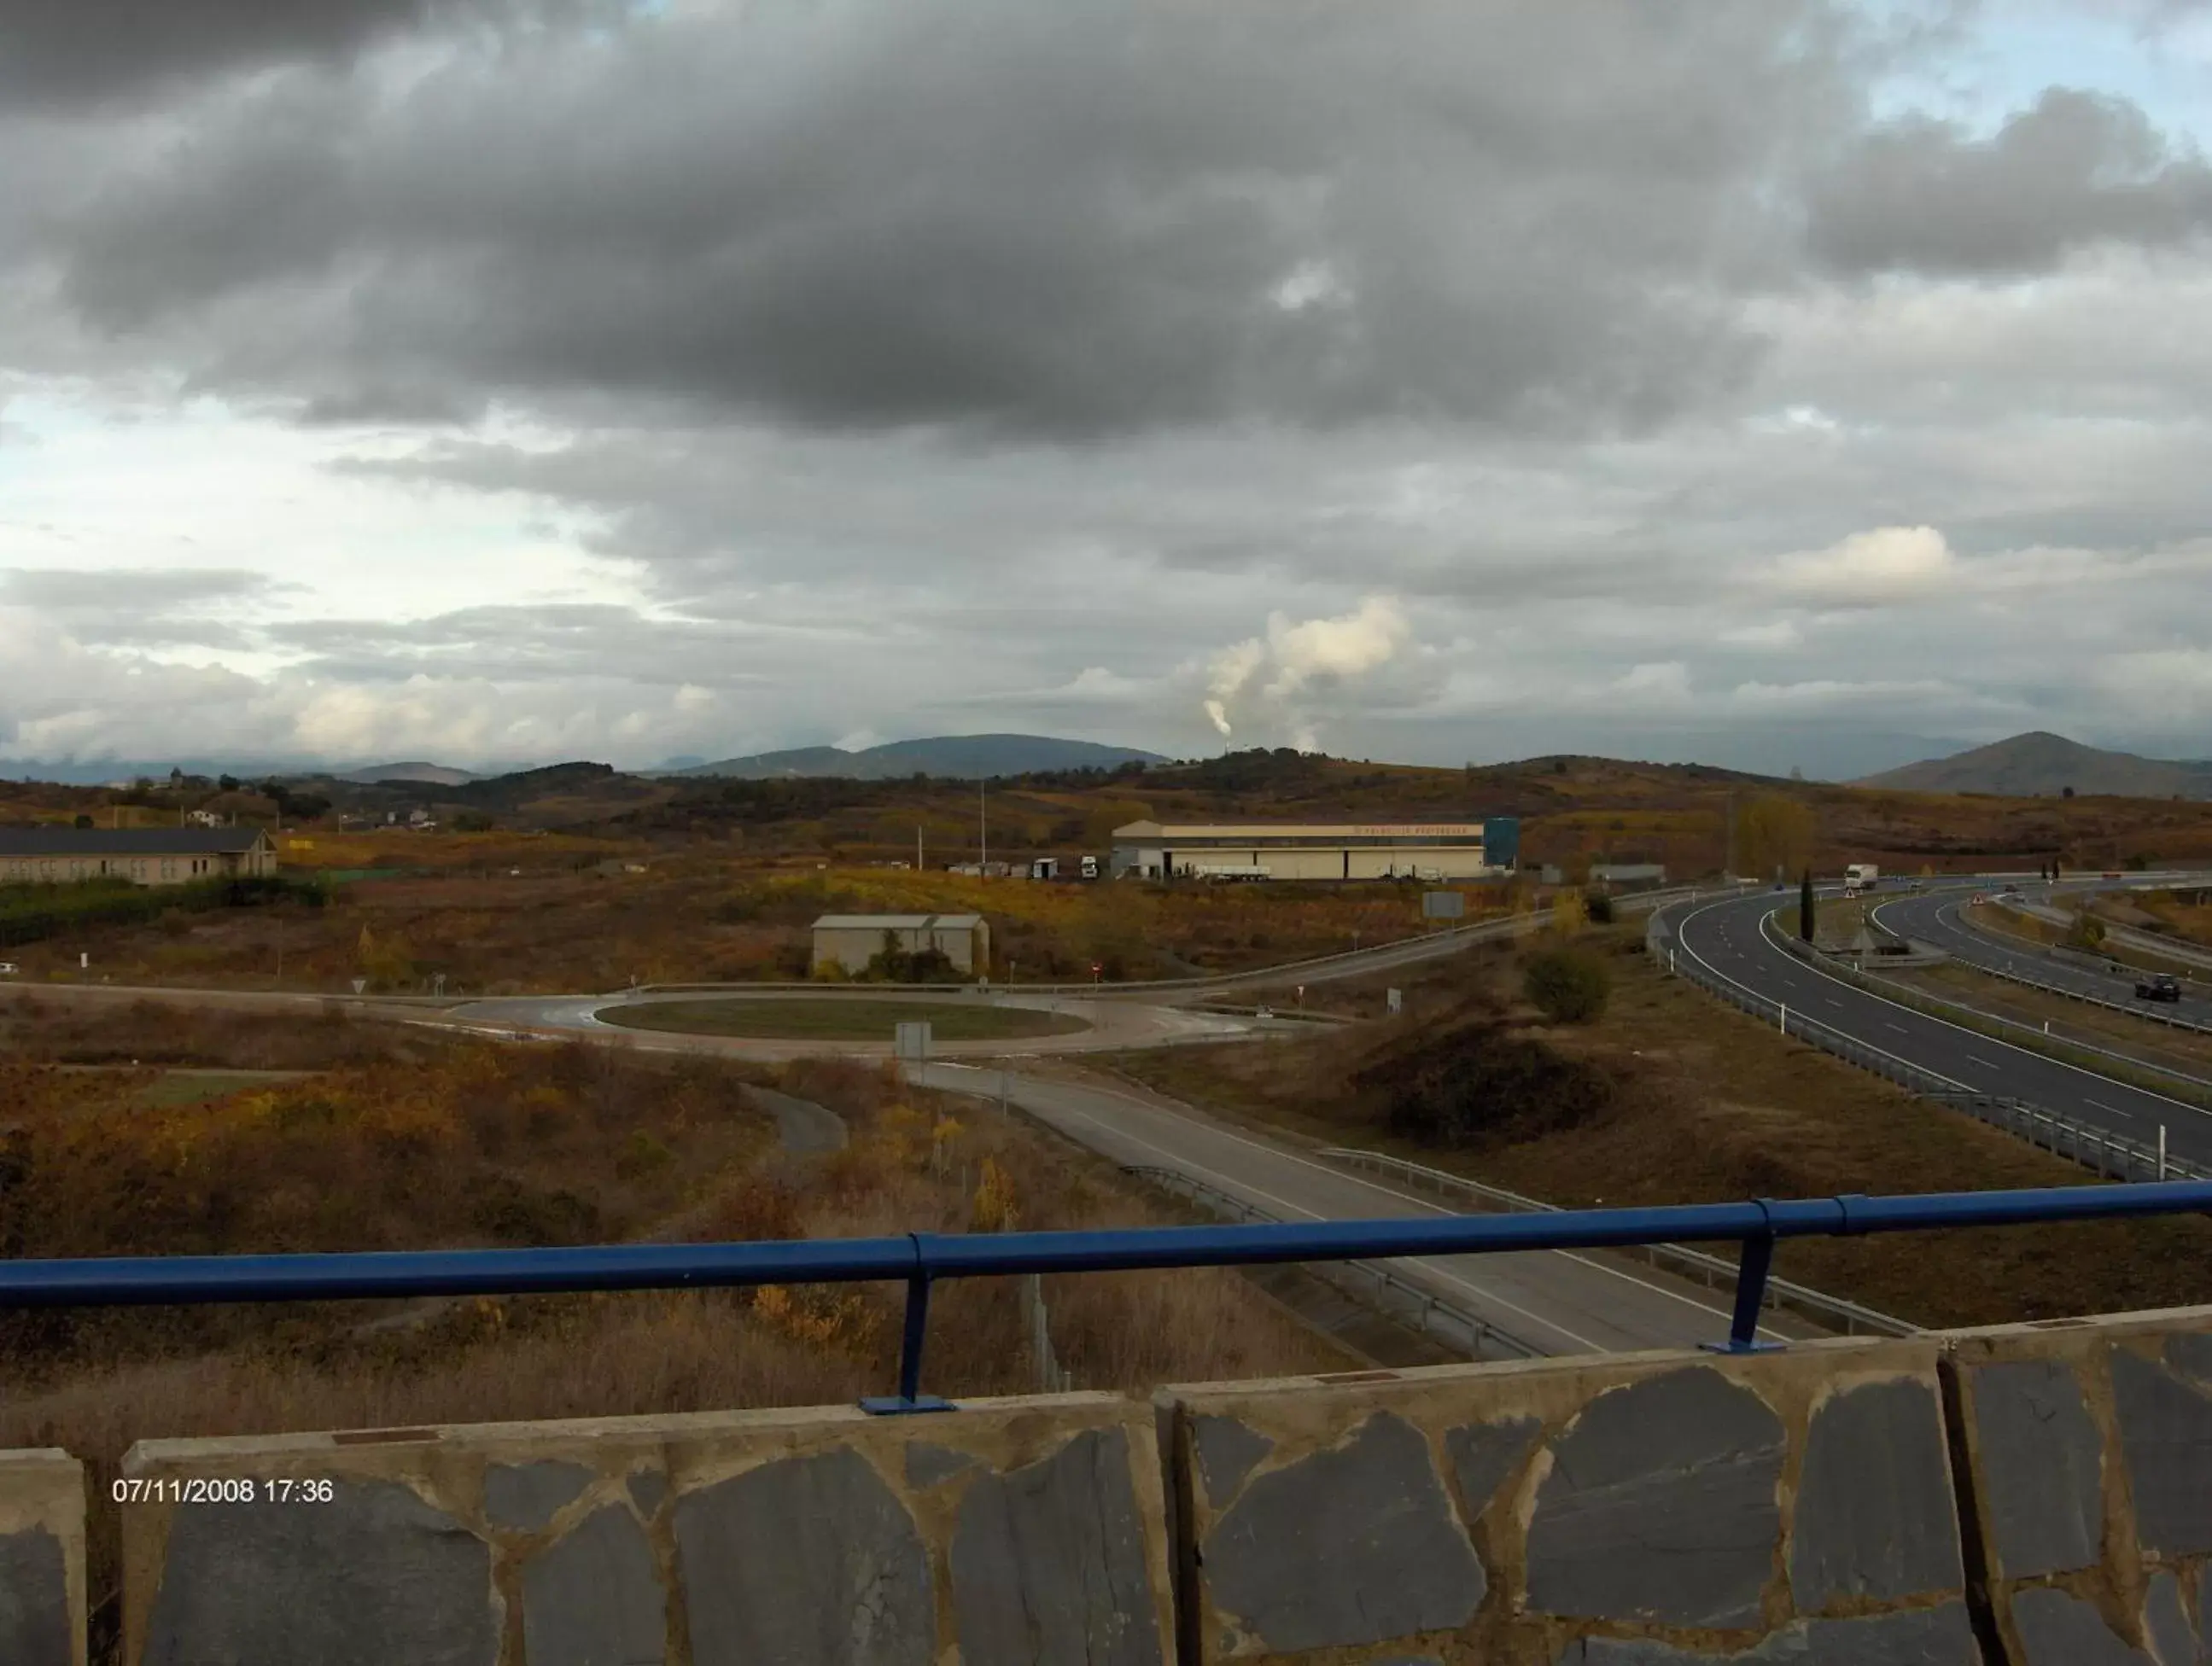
x=2044 y=765
x=956 y=757
x=436 y=775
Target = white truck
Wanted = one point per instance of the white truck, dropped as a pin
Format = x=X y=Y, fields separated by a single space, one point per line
x=1861 y=877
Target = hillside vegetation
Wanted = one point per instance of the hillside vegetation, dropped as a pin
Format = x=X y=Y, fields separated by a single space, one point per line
x=2042 y=765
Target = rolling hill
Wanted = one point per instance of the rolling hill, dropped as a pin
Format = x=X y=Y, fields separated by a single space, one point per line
x=2041 y=764
x=956 y=757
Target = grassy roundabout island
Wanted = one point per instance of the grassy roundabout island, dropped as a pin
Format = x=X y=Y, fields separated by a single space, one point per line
x=838 y=1019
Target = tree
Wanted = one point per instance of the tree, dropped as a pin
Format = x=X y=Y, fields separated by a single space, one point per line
x=1807 y=919
x=1567 y=985
x=2088 y=932
x=2066 y=792
x=1598 y=907
x=1776 y=831
x=1570 y=914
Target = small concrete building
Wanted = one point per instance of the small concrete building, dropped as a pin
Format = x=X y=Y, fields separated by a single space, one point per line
x=851 y=940
x=145 y=855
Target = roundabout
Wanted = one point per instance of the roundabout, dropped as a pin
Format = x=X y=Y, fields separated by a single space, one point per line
x=769 y=1018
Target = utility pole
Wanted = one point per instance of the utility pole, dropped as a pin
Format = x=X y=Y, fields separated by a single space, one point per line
x=1731 y=833
x=983 y=827
x=917 y=847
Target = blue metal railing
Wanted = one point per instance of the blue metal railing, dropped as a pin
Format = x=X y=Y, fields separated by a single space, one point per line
x=919 y=1259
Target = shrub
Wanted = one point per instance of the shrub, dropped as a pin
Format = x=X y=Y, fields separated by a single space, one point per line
x=1598 y=907
x=1568 y=986
x=1480 y=1086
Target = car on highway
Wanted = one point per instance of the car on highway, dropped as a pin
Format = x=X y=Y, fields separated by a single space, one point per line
x=2158 y=986
x=9 y=968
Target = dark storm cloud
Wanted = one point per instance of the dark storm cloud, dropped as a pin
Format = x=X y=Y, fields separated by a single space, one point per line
x=2078 y=169
x=138 y=607
x=128 y=590
x=59 y=52
x=1066 y=221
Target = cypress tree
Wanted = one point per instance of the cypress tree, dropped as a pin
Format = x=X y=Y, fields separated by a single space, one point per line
x=1805 y=907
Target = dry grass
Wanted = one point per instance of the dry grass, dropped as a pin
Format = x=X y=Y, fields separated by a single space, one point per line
x=1713 y=1105
x=914 y=1163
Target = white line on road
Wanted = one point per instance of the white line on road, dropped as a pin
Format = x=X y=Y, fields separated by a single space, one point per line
x=1336 y=1173
x=1976 y=1058
x=1230 y=1184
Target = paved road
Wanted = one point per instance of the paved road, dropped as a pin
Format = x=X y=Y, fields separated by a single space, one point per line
x=1553 y=1301
x=1728 y=939
x=1937 y=918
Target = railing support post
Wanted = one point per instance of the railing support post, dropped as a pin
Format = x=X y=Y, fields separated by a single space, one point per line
x=912 y=1338
x=1750 y=1297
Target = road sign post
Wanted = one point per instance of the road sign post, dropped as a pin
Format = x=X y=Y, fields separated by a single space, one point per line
x=1393 y=1002
x=911 y=1041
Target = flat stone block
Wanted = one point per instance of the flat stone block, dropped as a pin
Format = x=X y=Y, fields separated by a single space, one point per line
x=1875 y=1512
x=2041 y=1468
x=42 y=1590
x=821 y=1533
x=1598 y=1506
x=2056 y=1628
x=2089 y=1443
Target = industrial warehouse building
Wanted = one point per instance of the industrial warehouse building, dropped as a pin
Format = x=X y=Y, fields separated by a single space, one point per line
x=1318 y=850
x=145 y=855
x=850 y=941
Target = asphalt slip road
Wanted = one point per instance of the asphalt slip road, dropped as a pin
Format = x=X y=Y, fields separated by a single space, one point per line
x=1554 y=1302
x=1935 y=918
x=1728 y=938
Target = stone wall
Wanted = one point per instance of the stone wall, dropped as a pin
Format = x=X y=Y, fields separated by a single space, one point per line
x=1630 y=1511
x=42 y=1598
x=1014 y=1530
x=2035 y=1495
x=2089 y=1443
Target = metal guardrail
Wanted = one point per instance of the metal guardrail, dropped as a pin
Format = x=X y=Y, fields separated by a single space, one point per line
x=1905 y=996
x=2172 y=1021
x=919 y=1259
x=1832 y=1312
x=1427 y=1313
x=2094 y=1148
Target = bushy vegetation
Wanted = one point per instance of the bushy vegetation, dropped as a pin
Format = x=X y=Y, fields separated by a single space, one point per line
x=29 y=913
x=1567 y=985
x=1479 y=1084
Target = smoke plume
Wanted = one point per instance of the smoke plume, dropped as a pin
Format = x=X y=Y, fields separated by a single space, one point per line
x=1271 y=679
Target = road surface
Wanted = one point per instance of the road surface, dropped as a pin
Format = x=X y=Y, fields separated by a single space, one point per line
x=1936 y=918
x=1727 y=938
x=1553 y=1301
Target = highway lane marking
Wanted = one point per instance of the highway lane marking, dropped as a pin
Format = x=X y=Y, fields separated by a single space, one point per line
x=1899 y=1028
x=1976 y=1058
x=2028 y=1054
x=1388 y=1192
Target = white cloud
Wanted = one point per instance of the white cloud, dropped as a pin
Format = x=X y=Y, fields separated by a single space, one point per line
x=1772 y=633
x=1661 y=684
x=1887 y=565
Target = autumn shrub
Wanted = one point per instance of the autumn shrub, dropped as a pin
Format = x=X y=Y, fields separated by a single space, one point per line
x=1567 y=985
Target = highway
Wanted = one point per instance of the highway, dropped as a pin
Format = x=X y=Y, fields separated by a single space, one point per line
x=1727 y=939
x=1553 y=1301
x=1935 y=917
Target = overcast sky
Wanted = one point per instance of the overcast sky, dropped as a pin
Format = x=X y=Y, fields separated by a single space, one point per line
x=1762 y=381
